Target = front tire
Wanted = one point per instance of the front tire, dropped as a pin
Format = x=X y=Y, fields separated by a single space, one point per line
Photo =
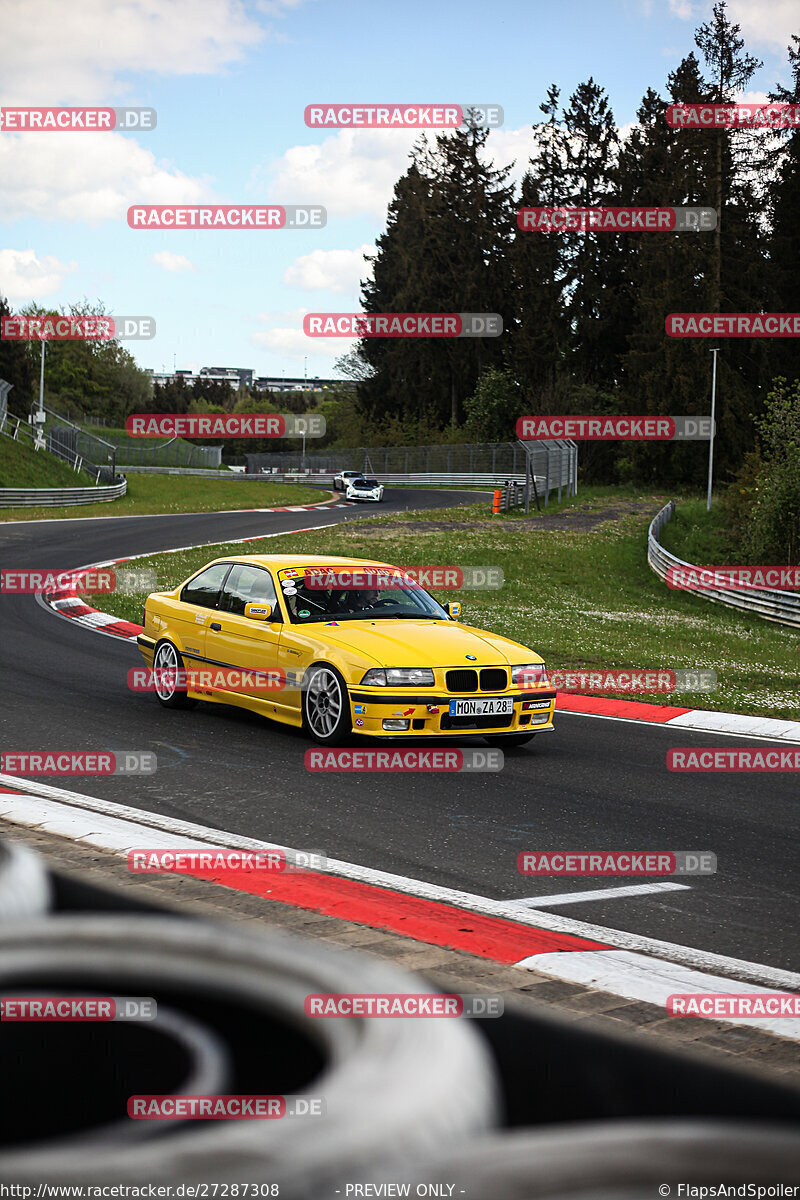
x=167 y=667
x=326 y=705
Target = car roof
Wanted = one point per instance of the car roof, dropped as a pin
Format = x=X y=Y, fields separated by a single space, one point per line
x=279 y=561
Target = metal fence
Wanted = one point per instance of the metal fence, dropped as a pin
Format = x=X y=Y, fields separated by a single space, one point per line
x=117 y=450
x=771 y=604
x=494 y=458
x=35 y=438
x=554 y=464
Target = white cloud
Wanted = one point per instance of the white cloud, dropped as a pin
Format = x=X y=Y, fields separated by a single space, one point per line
x=294 y=344
x=330 y=270
x=351 y=173
x=52 y=176
x=75 y=55
x=172 y=262
x=24 y=276
x=764 y=22
x=770 y=24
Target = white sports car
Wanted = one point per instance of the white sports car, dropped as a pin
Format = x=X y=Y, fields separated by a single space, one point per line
x=365 y=489
x=343 y=478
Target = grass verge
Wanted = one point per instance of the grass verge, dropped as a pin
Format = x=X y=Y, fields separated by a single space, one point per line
x=181 y=493
x=23 y=467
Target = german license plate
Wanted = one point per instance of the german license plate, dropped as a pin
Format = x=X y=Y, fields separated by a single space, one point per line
x=496 y=706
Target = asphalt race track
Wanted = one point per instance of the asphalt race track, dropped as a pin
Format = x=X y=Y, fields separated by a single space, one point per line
x=594 y=784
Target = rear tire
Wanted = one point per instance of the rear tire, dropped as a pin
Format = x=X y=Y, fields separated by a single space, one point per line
x=167 y=661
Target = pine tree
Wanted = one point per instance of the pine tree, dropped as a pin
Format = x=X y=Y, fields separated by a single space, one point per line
x=540 y=334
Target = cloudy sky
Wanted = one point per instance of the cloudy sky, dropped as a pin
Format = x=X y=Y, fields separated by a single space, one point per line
x=230 y=82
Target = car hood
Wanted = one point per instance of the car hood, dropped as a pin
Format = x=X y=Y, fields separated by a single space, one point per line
x=409 y=643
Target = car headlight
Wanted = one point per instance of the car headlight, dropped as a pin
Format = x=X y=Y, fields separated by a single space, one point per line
x=529 y=675
x=398 y=676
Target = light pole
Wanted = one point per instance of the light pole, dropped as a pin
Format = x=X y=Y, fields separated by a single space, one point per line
x=711 y=439
x=41 y=387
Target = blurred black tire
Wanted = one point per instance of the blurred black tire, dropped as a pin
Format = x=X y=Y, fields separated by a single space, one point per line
x=388 y=1085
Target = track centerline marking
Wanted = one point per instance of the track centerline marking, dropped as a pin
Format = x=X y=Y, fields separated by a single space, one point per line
x=637 y=889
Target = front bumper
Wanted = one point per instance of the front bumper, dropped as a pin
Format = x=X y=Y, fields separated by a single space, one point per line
x=429 y=716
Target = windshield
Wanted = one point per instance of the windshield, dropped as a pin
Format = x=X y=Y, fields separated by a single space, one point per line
x=325 y=594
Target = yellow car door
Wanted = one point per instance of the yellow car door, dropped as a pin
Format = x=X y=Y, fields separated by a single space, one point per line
x=234 y=640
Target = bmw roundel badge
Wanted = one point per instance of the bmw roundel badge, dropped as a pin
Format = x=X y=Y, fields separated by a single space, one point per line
x=471 y=657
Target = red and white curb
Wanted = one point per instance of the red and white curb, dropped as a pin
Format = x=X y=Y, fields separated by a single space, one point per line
x=615 y=961
x=701 y=720
x=332 y=503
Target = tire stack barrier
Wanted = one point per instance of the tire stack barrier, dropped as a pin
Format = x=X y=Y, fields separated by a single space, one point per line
x=527 y=1105
x=237 y=1000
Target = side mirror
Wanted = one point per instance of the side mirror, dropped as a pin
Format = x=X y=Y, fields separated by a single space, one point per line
x=258 y=612
x=453 y=609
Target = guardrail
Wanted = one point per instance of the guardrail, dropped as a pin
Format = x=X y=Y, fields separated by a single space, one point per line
x=419 y=479
x=204 y=472
x=772 y=604
x=511 y=495
x=50 y=497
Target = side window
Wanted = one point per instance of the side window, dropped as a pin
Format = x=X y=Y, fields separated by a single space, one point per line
x=203 y=590
x=247 y=585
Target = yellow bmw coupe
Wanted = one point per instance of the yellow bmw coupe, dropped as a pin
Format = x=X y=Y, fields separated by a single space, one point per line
x=344 y=646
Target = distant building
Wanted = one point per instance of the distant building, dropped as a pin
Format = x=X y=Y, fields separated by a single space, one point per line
x=292 y=383
x=237 y=377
